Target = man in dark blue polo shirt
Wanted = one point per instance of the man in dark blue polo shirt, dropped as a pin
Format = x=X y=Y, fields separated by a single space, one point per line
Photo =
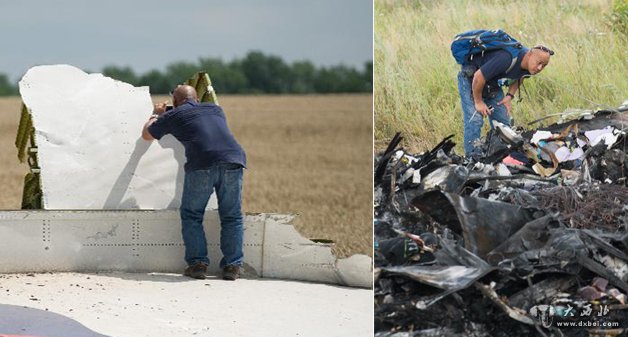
x=214 y=160
x=477 y=84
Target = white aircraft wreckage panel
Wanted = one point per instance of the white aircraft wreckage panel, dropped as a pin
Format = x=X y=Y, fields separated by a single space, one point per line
x=150 y=241
x=91 y=154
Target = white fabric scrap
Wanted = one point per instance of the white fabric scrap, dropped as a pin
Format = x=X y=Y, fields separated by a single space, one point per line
x=416 y=177
x=607 y=135
x=581 y=142
x=540 y=135
x=411 y=160
x=398 y=154
x=502 y=170
x=563 y=154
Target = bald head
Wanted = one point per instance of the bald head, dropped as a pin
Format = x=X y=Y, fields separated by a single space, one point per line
x=182 y=94
x=537 y=59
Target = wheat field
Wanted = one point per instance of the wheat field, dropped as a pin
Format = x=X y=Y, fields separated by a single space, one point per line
x=310 y=155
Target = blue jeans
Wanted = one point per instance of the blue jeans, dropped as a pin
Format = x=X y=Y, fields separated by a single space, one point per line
x=473 y=120
x=197 y=188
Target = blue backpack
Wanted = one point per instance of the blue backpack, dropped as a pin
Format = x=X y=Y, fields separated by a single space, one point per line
x=478 y=41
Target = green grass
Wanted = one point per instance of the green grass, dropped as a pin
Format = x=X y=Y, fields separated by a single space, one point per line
x=415 y=75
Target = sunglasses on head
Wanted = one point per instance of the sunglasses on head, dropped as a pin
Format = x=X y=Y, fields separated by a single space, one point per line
x=545 y=49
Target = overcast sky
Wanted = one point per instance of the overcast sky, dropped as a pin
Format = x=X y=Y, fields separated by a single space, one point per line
x=148 y=35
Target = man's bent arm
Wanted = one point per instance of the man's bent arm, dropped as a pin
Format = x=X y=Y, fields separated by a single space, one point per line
x=158 y=110
x=145 y=134
x=478 y=85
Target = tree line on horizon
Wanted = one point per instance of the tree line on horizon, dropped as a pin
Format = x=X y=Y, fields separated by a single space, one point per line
x=256 y=73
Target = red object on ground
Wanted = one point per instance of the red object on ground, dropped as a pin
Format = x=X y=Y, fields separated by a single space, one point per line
x=511 y=161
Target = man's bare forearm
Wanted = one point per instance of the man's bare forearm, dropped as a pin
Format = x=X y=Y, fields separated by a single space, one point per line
x=145 y=134
x=158 y=110
x=477 y=86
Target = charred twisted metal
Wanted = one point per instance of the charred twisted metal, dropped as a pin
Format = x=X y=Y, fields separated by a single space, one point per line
x=527 y=225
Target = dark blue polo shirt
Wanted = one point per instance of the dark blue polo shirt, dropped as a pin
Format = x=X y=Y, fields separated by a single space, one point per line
x=203 y=131
x=495 y=63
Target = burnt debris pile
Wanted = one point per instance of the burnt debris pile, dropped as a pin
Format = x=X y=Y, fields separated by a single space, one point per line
x=529 y=238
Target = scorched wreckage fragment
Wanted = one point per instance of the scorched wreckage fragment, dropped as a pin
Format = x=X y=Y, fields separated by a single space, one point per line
x=523 y=239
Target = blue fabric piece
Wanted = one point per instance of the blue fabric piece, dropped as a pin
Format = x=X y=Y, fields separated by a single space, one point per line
x=203 y=131
x=473 y=120
x=197 y=189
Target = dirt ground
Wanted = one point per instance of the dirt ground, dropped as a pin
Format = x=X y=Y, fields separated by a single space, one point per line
x=310 y=155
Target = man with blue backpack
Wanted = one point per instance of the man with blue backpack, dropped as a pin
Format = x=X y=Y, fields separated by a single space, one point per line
x=487 y=57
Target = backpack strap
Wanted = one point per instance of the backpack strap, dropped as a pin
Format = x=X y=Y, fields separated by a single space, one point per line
x=512 y=64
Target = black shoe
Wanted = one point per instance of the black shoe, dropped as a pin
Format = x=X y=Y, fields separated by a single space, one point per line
x=197 y=271
x=231 y=272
